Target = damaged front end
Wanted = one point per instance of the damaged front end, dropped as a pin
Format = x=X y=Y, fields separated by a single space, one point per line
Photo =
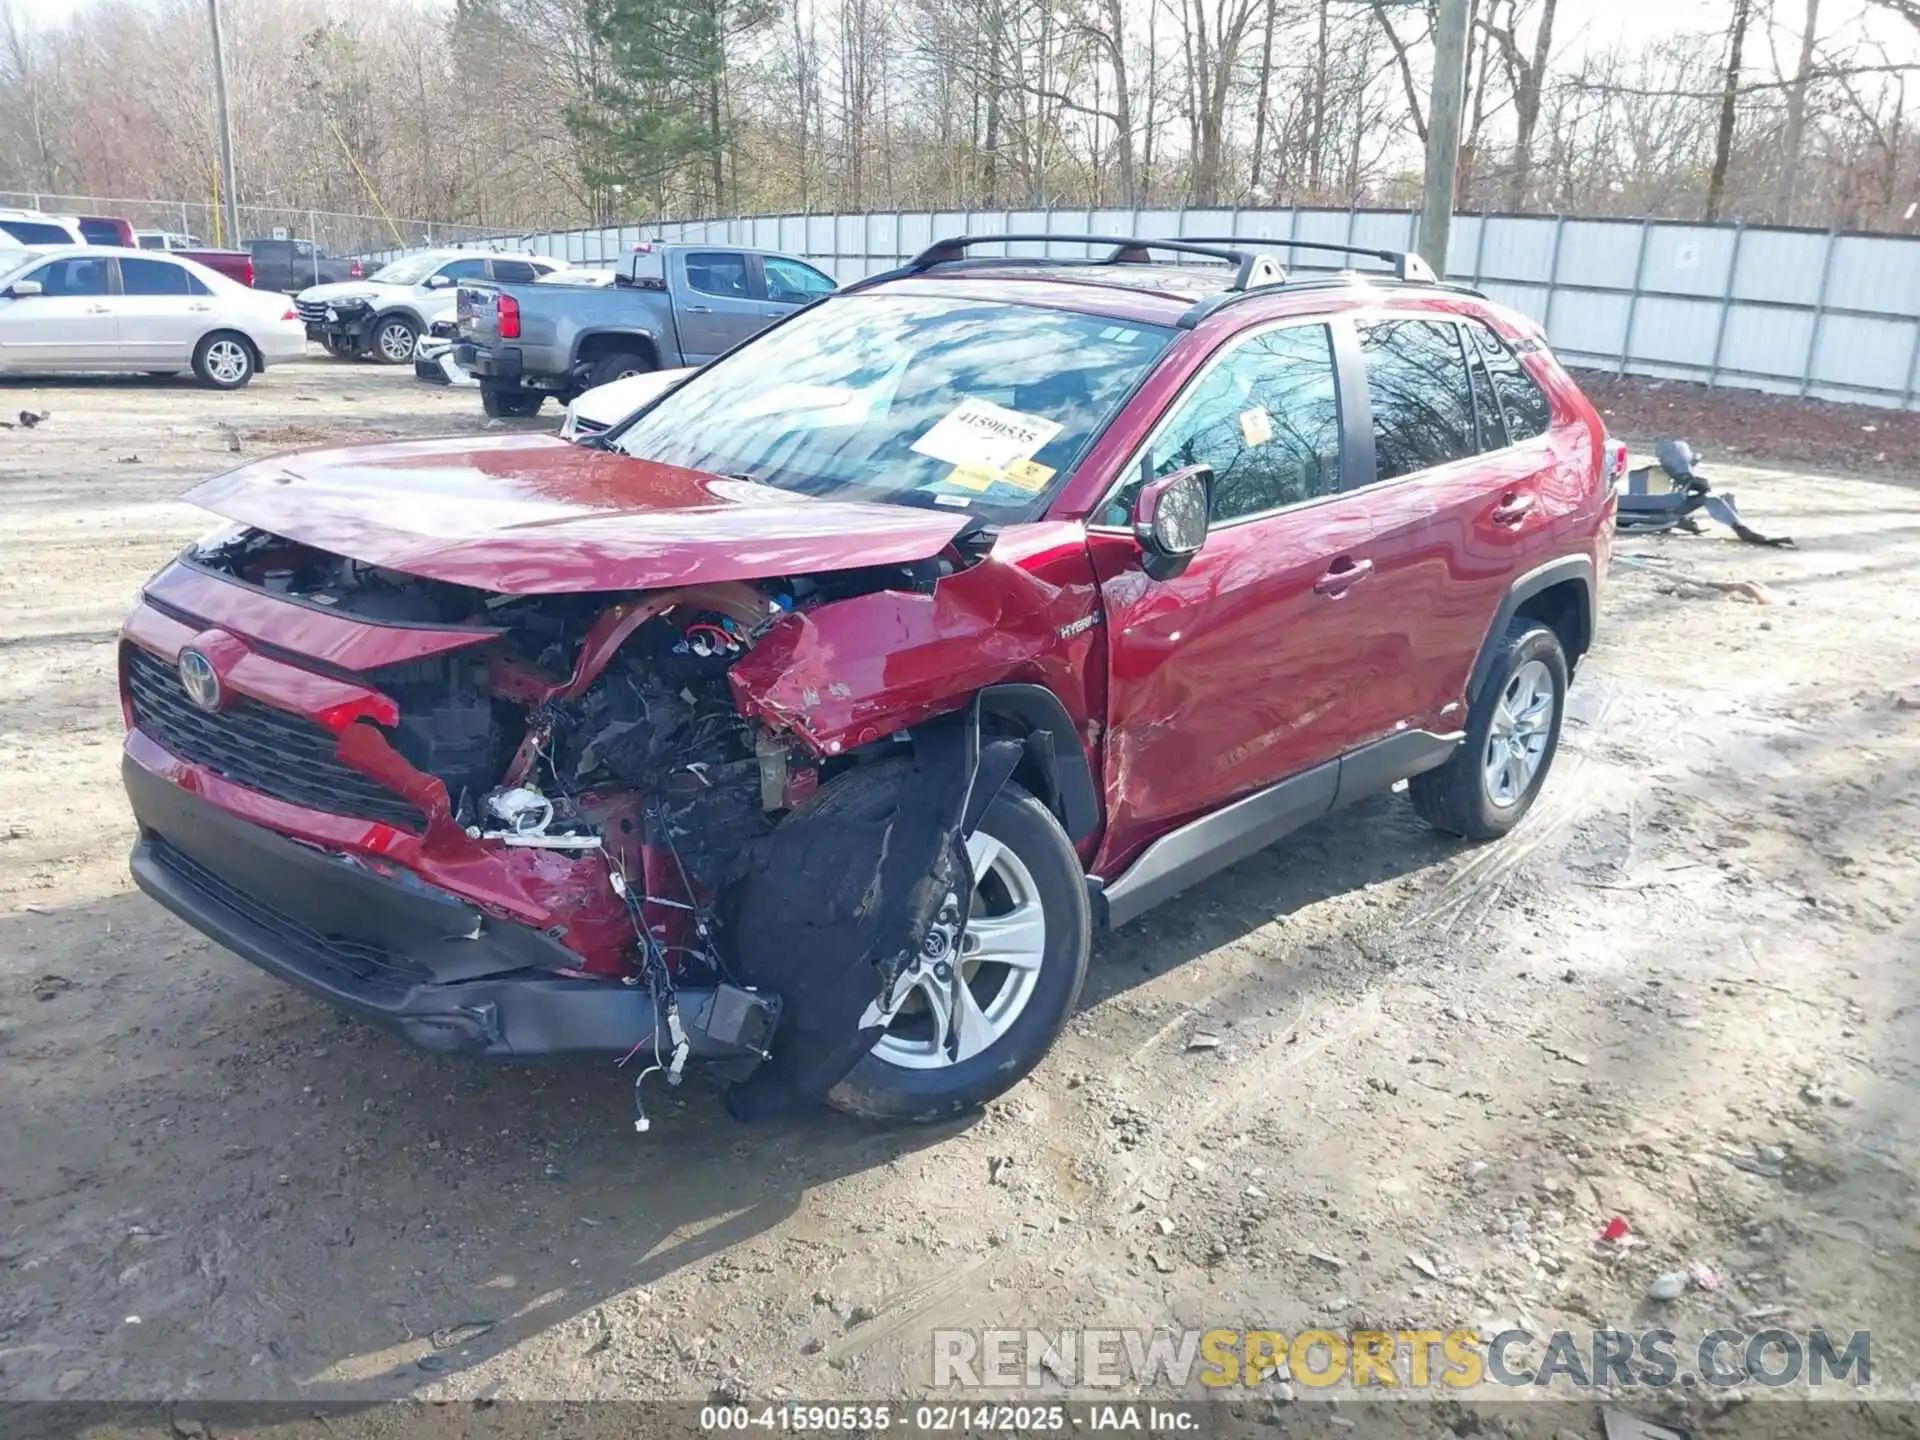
x=519 y=825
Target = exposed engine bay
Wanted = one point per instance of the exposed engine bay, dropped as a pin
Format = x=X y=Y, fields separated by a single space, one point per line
x=598 y=740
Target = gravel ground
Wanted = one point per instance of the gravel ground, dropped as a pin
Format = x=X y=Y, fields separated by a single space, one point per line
x=1369 y=1078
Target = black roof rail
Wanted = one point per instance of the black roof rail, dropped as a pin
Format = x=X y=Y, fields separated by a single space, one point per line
x=1406 y=264
x=1250 y=269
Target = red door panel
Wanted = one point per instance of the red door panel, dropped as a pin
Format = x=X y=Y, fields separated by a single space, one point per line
x=1446 y=545
x=1232 y=675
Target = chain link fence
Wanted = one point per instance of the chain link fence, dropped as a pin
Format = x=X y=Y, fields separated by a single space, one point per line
x=204 y=224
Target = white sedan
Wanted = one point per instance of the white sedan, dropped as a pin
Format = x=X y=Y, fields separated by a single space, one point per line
x=595 y=411
x=100 y=307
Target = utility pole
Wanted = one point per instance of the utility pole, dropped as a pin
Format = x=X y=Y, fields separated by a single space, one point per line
x=1443 y=129
x=225 y=122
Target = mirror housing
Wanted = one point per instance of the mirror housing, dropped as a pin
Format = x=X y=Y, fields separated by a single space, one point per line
x=439 y=282
x=21 y=289
x=1170 y=519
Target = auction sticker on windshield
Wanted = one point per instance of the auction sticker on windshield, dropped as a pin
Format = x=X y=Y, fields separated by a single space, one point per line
x=978 y=435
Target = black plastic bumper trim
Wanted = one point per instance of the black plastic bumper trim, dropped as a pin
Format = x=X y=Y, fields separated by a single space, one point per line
x=417 y=961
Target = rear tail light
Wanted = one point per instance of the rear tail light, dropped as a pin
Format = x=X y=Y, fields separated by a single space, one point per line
x=509 y=313
x=355 y=271
x=249 y=274
x=291 y=314
x=1615 y=452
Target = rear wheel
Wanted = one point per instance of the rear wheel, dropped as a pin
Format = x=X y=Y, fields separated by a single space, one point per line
x=1513 y=733
x=508 y=404
x=1020 y=958
x=609 y=368
x=224 y=360
x=393 y=339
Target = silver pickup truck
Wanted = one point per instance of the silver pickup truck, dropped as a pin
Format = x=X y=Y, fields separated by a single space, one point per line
x=671 y=305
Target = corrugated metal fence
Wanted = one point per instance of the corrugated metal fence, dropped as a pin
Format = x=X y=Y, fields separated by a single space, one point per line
x=1798 y=312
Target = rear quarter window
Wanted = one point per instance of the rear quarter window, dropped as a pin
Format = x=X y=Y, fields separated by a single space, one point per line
x=1525 y=405
x=33 y=232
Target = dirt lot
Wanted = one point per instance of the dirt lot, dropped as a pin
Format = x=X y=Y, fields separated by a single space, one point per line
x=1684 y=993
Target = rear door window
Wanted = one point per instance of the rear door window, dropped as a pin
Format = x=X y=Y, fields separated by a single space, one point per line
x=515 y=272
x=154 y=277
x=719 y=272
x=1421 y=393
x=1523 y=403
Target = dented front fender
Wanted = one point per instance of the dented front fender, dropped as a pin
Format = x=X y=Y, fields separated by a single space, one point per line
x=857 y=670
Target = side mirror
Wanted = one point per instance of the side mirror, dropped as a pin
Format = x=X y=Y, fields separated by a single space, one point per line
x=439 y=282
x=21 y=289
x=1170 y=519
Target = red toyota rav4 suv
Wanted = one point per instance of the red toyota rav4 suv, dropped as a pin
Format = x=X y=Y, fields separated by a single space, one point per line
x=802 y=725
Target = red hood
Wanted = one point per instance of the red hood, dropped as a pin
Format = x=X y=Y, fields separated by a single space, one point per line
x=531 y=514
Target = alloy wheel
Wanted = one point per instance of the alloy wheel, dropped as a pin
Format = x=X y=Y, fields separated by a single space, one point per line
x=228 y=361
x=396 y=342
x=1517 y=739
x=955 y=1002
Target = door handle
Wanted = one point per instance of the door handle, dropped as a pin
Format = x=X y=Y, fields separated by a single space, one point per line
x=200 y=308
x=97 y=310
x=1512 y=509
x=1342 y=576
x=698 y=309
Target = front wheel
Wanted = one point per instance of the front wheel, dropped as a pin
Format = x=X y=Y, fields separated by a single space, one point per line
x=1020 y=960
x=510 y=404
x=224 y=360
x=1513 y=733
x=393 y=340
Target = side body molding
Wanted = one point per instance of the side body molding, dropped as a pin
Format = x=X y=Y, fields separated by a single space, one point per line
x=1199 y=848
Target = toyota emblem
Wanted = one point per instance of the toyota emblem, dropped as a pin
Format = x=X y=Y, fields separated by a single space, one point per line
x=198 y=679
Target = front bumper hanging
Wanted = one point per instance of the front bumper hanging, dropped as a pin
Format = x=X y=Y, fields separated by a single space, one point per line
x=419 y=961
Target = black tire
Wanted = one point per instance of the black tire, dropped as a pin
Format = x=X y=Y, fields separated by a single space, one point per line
x=387 y=347
x=510 y=404
x=609 y=368
x=1457 y=797
x=224 y=360
x=878 y=1090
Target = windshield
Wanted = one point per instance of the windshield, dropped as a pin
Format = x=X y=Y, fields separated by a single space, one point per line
x=976 y=405
x=409 y=271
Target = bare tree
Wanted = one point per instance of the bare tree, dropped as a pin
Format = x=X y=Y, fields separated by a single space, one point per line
x=1729 y=98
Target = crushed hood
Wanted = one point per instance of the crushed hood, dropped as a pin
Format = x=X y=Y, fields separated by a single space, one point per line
x=532 y=514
